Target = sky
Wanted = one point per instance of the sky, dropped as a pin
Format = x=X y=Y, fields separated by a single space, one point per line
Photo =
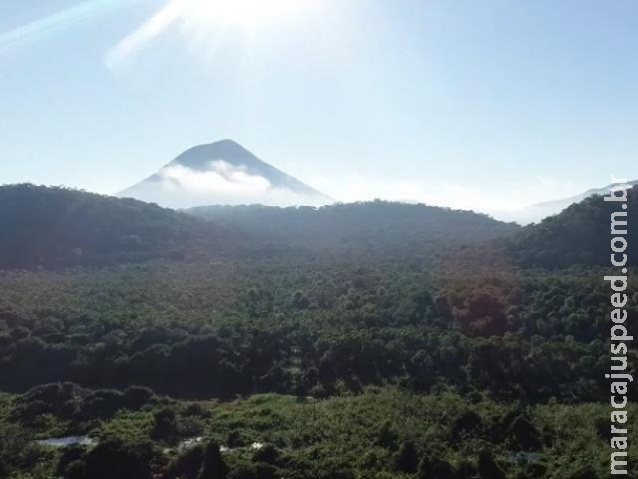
x=482 y=104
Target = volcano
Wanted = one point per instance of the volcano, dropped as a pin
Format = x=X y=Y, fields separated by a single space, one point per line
x=223 y=173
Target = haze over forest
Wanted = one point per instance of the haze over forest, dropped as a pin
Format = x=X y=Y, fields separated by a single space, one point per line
x=491 y=107
x=317 y=239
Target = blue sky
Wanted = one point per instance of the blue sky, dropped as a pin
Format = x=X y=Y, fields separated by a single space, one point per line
x=475 y=104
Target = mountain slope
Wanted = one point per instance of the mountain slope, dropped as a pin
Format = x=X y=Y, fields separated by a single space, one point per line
x=538 y=211
x=578 y=235
x=44 y=226
x=222 y=173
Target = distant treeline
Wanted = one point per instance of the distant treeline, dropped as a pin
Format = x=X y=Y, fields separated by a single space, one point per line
x=378 y=226
x=57 y=227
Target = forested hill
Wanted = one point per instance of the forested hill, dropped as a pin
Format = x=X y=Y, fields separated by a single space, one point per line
x=50 y=226
x=379 y=225
x=580 y=235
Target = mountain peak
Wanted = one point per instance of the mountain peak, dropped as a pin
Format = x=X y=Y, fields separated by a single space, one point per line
x=227 y=142
x=223 y=172
x=199 y=157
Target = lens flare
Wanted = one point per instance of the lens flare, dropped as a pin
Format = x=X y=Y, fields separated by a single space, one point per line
x=205 y=19
x=240 y=13
x=42 y=27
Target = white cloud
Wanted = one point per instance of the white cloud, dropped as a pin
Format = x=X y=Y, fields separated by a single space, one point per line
x=221 y=183
x=221 y=178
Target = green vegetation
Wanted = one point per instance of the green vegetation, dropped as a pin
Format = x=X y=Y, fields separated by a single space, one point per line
x=378 y=227
x=380 y=432
x=579 y=235
x=303 y=350
x=55 y=227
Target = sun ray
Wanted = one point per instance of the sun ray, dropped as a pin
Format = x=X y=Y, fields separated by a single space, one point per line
x=42 y=27
x=203 y=20
x=145 y=33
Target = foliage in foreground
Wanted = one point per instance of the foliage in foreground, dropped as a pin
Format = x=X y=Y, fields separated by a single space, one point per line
x=383 y=432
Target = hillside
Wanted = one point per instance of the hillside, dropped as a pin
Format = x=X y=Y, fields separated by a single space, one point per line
x=45 y=226
x=50 y=227
x=377 y=226
x=579 y=235
x=539 y=211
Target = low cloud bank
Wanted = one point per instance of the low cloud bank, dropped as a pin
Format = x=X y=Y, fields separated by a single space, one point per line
x=177 y=186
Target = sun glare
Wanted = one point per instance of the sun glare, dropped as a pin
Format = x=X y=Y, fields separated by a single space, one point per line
x=202 y=20
x=246 y=14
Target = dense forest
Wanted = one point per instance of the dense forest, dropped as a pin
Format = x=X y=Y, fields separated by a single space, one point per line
x=373 y=340
x=378 y=226
x=579 y=235
x=53 y=227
